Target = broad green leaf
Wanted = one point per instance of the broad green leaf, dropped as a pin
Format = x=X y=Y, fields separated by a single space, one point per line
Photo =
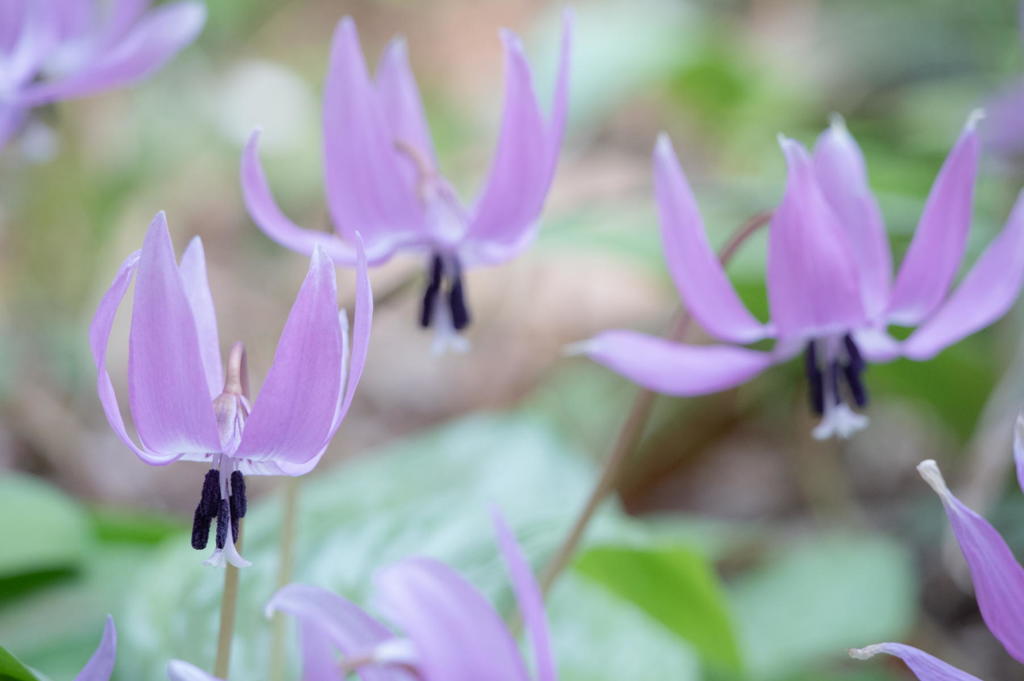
x=43 y=529
x=11 y=669
x=813 y=599
x=676 y=587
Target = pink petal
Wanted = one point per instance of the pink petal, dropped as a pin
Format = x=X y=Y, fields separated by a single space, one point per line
x=400 y=100
x=813 y=288
x=179 y=670
x=99 y=335
x=984 y=295
x=101 y=664
x=998 y=577
x=367 y=189
x=1018 y=448
x=924 y=666
x=702 y=283
x=938 y=245
x=197 y=290
x=268 y=216
x=160 y=35
x=673 y=368
x=293 y=415
x=839 y=167
x=457 y=634
x=325 y=620
x=505 y=216
x=168 y=393
x=876 y=345
x=354 y=359
x=529 y=597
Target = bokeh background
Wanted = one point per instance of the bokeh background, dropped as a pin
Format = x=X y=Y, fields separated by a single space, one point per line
x=737 y=548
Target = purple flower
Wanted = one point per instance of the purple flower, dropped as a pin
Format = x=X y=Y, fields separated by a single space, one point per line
x=60 y=49
x=185 y=406
x=998 y=579
x=448 y=630
x=101 y=664
x=382 y=178
x=1005 y=129
x=829 y=280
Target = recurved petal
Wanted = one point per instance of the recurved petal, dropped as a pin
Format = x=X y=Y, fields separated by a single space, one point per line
x=522 y=168
x=197 y=290
x=160 y=35
x=101 y=664
x=998 y=577
x=367 y=188
x=179 y=670
x=984 y=295
x=456 y=633
x=924 y=666
x=529 y=597
x=353 y=360
x=99 y=336
x=674 y=368
x=696 y=270
x=400 y=101
x=328 y=619
x=842 y=176
x=264 y=211
x=169 y=395
x=938 y=245
x=813 y=288
x=295 y=409
x=1018 y=448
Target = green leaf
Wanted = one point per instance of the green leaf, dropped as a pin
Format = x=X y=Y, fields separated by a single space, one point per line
x=676 y=587
x=43 y=530
x=812 y=599
x=11 y=669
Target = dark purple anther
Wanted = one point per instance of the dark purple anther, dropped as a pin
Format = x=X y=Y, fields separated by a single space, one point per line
x=457 y=302
x=432 y=291
x=200 y=529
x=854 y=358
x=815 y=380
x=210 y=498
x=239 y=503
x=223 y=520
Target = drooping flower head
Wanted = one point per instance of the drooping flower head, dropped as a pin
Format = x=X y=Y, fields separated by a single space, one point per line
x=186 y=406
x=998 y=579
x=444 y=629
x=52 y=50
x=829 y=278
x=381 y=175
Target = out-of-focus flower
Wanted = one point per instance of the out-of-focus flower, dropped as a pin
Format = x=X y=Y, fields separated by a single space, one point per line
x=179 y=670
x=829 y=281
x=101 y=664
x=449 y=632
x=60 y=49
x=381 y=175
x=1005 y=128
x=185 y=406
x=998 y=579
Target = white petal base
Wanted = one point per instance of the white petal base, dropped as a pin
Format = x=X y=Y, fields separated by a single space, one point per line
x=839 y=421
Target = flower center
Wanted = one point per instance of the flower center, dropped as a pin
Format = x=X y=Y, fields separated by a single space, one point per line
x=444 y=302
x=835 y=369
x=223 y=496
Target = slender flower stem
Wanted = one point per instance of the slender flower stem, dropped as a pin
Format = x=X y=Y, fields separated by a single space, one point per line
x=228 y=605
x=633 y=427
x=286 y=558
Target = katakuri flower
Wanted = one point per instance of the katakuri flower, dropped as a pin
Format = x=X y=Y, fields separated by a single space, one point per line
x=381 y=175
x=829 y=281
x=186 y=407
x=998 y=579
x=53 y=50
x=101 y=664
x=448 y=630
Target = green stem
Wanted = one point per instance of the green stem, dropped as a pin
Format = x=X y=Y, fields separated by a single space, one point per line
x=228 y=605
x=286 y=557
x=633 y=427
